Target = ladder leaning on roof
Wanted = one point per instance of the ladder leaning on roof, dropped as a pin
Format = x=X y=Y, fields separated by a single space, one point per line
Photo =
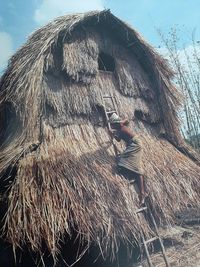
x=156 y=236
x=108 y=112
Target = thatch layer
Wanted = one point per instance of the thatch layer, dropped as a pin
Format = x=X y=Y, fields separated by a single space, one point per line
x=52 y=89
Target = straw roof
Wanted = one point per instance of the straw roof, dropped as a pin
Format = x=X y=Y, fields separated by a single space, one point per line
x=51 y=95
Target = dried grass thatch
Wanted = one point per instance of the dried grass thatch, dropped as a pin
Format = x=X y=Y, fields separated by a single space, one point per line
x=51 y=94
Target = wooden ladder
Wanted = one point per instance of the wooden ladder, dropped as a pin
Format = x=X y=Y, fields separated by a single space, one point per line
x=108 y=111
x=145 y=242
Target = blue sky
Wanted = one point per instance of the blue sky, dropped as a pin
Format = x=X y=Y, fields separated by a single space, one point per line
x=18 y=18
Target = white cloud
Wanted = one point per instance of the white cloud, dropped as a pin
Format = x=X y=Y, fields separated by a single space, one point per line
x=50 y=9
x=6 y=49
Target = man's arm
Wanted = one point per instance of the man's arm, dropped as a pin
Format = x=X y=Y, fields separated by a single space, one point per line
x=124 y=122
x=115 y=134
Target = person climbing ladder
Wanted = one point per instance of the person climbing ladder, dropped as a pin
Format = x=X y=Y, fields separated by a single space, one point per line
x=129 y=161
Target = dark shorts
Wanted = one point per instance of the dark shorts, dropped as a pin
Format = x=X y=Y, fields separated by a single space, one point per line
x=128 y=174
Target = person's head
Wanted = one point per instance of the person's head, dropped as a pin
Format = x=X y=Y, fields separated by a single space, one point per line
x=115 y=121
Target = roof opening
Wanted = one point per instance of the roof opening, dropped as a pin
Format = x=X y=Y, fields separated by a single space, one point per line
x=106 y=62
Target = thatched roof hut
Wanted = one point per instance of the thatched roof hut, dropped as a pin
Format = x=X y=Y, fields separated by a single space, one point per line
x=51 y=95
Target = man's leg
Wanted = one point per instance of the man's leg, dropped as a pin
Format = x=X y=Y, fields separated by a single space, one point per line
x=141 y=187
x=129 y=175
x=132 y=176
x=141 y=184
